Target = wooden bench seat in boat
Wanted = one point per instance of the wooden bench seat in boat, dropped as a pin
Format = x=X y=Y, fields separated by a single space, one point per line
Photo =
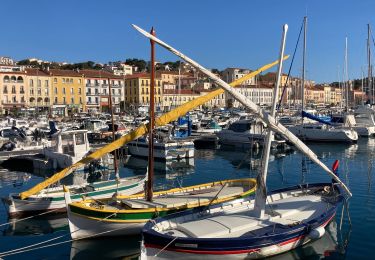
x=218 y=226
x=292 y=205
x=173 y=200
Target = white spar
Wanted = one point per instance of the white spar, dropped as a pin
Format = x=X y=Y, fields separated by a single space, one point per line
x=271 y=122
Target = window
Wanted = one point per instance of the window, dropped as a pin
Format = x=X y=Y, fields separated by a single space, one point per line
x=96 y=100
x=13 y=89
x=64 y=91
x=55 y=80
x=71 y=91
x=14 y=99
x=31 y=91
x=63 y=80
x=55 y=100
x=79 y=81
x=6 y=79
x=72 y=100
x=39 y=91
x=5 y=90
x=22 y=90
x=64 y=100
x=39 y=83
x=88 y=91
x=80 y=138
x=89 y=100
x=113 y=91
x=46 y=83
x=46 y=91
x=71 y=81
x=80 y=100
x=96 y=91
x=79 y=91
x=55 y=90
x=31 y=83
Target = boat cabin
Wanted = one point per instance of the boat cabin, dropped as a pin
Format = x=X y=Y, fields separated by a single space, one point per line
x=73 y=143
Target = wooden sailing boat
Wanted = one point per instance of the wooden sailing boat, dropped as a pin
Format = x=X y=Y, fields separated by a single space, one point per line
x=126 y=215
x=248 y=228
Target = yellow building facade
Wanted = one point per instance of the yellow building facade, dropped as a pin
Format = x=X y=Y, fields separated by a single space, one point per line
x=68 y=91
x=137 y=90
x=38 y=89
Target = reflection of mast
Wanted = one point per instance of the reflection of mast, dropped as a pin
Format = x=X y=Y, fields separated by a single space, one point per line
x=150 y=179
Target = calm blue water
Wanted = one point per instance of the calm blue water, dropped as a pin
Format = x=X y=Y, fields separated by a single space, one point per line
x=356 y=169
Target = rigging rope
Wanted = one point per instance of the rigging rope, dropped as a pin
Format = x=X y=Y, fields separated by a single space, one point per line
x=290 y=68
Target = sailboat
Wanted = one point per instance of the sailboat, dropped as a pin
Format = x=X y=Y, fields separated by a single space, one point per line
x=270 y=224
x=321 y=131
x=126 y=215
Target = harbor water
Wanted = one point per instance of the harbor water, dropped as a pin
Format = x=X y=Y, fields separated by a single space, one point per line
x=352 y=241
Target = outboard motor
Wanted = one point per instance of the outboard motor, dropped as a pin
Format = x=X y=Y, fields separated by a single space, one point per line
x=8 y=146
x=52 y=127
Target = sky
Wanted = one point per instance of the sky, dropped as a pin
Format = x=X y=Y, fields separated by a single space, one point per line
x=216 y=33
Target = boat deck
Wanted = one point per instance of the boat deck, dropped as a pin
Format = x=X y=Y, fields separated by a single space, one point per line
x=280 y=215
x=176 y=200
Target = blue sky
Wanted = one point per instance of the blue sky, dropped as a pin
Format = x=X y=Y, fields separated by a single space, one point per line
x=218 y=34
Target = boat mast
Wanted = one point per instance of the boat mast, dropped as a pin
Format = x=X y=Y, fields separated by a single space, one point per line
x=149 y=192
x=303 y=64
x=347 y=85
x=369 y=74
x=261 y=192
x=113 y=127
x=362 y=85
x=249 y=104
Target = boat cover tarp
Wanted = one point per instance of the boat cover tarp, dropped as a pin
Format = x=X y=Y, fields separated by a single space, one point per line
x=141 y=130
x=315 y=118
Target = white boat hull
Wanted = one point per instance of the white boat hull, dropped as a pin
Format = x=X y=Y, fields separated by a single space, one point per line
x=89 y=227
x=37 y=203
x=324 y=135
x=163 y=151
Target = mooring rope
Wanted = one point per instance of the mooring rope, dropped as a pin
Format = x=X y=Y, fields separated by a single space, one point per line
x=21 y=219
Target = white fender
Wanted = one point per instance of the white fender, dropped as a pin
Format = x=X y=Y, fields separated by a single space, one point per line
x=317 y=233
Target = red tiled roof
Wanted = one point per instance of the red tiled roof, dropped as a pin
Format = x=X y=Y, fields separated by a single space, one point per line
x=138 y=75
x=68 y=73
x=35 y=72
x=182 y=91
x=99 y=74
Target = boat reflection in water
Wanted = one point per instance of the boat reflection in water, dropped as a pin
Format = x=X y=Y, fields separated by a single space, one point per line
x=100 y=248
x=241 y=158
x=327 y=247
x=37 y=225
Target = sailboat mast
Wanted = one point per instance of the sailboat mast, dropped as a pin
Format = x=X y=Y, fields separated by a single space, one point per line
x=369 y=76
x=261 y=193
x=347 y=86
x=113 y=126
x=150 y=179
x=303 y=64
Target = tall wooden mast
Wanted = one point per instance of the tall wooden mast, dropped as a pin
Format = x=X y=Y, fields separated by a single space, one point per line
x=150 y=180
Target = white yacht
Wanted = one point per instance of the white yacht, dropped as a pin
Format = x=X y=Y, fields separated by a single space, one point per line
x=318 y=132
